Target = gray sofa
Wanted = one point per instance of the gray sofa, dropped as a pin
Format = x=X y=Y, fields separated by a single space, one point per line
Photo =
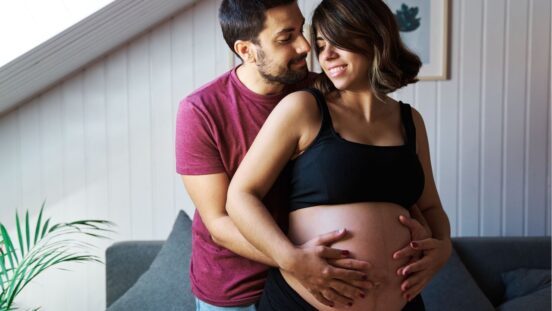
x=483 y=273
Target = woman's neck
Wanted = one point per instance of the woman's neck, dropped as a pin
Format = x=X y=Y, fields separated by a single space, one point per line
x=364 y=102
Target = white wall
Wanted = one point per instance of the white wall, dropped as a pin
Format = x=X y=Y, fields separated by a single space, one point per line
x=100 y=144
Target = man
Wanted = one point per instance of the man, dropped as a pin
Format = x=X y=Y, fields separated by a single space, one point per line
x=215 y=127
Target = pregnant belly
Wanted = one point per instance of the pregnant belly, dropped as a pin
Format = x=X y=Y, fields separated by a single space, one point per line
x=374 y=234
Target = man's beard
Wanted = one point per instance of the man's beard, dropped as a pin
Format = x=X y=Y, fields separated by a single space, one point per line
x=284 y=75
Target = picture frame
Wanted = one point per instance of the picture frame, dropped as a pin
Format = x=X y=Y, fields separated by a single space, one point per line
x=423 y=26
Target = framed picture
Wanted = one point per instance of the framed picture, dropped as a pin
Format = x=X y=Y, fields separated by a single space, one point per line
x=423 y=26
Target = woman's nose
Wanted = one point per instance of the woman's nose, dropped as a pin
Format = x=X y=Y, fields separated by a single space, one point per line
x=329 y=52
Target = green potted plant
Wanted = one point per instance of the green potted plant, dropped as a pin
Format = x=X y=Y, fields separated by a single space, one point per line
x=48 y=246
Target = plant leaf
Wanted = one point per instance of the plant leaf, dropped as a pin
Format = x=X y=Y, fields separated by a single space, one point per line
x=45 y=228
x=22 y=249
x=10 y=250
x=28 y=230
x=38 y=223
x=51 y=246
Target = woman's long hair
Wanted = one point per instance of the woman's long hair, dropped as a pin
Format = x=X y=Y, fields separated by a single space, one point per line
x=367 y=27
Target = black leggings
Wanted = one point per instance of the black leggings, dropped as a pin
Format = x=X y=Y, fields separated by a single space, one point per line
x=282 y=297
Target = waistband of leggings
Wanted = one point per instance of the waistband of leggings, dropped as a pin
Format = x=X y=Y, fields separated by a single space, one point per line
x=287 y=290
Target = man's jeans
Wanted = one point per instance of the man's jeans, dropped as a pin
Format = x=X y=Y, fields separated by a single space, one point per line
x=203 y=306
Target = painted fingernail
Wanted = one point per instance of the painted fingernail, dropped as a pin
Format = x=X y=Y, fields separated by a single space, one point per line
x=362 y=295
x=350 y=304
x=415 y=244
x=345 y=253
x=364 y=278
x=408 y=297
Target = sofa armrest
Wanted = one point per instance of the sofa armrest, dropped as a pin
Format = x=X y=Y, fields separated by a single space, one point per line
x=488 y=257
x=125 y=262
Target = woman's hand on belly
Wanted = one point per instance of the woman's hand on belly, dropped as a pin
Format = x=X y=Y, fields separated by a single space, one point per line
x=420 y=271
x=375 y=234
x=417 y=232
x=426 y=256
x=328 y=273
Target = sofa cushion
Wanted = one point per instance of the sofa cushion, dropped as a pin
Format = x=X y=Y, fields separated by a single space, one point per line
x=526 y=288
x=539 y=300
x=165 y=285
x=454 y=289
x=521 y=282
x=488 y=257
x=125 y=262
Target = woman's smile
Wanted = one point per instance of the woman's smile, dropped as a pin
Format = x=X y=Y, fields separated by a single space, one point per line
x=336 y=71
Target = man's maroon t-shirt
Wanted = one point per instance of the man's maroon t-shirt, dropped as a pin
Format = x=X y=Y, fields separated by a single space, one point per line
x=215 y=127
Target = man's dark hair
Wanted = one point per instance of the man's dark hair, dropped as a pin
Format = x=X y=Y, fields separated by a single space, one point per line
x=244 y=19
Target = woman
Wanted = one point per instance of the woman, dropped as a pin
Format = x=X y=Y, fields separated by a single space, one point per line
x=357 y=158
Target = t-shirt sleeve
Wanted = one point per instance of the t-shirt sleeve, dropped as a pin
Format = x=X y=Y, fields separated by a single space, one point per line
x=196 y=149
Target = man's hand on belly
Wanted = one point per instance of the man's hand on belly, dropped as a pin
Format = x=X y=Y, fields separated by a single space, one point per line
x=427 y=255
x=417 y=232
x=329 y=274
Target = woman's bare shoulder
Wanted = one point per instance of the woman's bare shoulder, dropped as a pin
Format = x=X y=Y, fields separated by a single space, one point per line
x=299 y=105
x=302 y=100
x=418 y=119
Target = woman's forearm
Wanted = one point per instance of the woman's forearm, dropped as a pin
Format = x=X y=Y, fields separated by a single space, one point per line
x=259 y=227
x=438 y=222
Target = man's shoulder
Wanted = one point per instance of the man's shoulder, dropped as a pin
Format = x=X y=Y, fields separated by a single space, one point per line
x=209 y=93
x=307 y=82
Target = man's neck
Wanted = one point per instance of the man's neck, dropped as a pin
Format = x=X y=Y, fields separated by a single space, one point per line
x=250 y=77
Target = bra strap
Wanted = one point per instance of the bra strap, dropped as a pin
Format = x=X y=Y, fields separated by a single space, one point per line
x=408 y=122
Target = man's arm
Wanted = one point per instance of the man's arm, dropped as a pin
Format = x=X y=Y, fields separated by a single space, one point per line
x=208 y=193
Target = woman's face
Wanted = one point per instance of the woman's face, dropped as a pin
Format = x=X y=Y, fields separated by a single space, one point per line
x=347 y=70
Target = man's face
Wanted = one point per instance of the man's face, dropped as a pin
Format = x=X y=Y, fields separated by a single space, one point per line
x=282 y=49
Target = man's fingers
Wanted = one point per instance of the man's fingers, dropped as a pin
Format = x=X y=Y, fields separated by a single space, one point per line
x=337 y=298
x=411 y=223
x=425 y=244
x=322 y=299
x=416 y=266
x=410 y=280
x=400 y=271
x=349 y=291
x=328 y=238
x=331 y=253
x=412 y=290
x=344 y=275
x=405 y=252
x=351 y=264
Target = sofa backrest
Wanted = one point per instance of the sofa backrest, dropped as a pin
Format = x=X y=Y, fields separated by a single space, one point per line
x=488 y=257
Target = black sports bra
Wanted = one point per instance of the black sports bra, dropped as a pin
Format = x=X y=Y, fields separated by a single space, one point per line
x=333 y=170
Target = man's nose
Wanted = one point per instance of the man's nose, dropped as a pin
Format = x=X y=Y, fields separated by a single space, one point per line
x=303 y=46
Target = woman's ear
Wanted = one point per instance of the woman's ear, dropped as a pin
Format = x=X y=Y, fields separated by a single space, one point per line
x=245 y=51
